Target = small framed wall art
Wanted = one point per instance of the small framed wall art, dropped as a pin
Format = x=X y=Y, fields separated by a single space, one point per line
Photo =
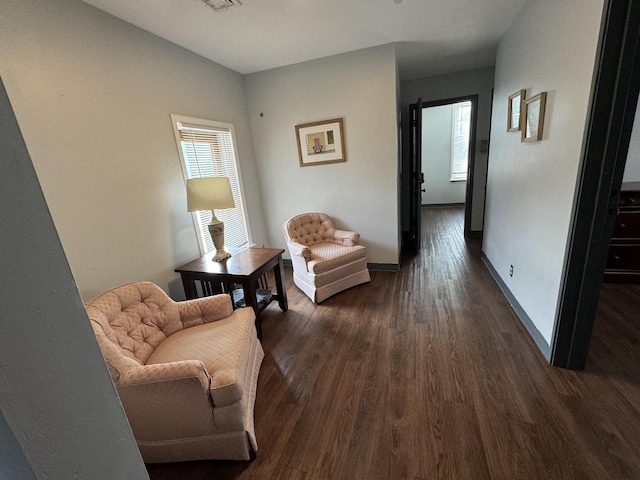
x=533 y=113
x=321 y=142
x=514 y=119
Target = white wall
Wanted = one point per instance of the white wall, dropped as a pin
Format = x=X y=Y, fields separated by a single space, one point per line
x=93 y=96
x=56 y=394
x=13 y=464
x=549 y=47
x=472 y=82
x=632 y=167
x=436 y=158
x=360 y=194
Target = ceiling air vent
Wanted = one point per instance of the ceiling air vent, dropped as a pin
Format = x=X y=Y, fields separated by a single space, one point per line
x=220 y=5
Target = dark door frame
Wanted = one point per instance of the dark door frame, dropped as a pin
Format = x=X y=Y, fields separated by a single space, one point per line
x=468 y=202
x=486 y=175
x=415 y=173
x=614 y=96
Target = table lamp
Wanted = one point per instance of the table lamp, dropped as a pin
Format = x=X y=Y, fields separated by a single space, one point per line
x=211 y=193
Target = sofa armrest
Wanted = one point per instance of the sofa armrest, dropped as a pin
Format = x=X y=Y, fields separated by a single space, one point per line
x=299 y=249
x=346 y=238
x=205 y=310
x=167 y=400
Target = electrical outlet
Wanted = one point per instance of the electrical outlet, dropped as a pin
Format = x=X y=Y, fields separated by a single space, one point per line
x=511 y=271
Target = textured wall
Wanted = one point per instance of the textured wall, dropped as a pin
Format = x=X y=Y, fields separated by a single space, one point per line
x=13 y=464
x=361 y=194
x=93 y=96
x=550 y=47
x=632 y=168
x=56 y=396
x=436 y=158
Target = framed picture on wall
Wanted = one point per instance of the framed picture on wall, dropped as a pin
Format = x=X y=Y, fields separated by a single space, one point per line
x=533 y=112
x=514 y=119
x=321 y=142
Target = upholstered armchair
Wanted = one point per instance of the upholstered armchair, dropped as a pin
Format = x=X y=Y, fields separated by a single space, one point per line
x=186 y=372
x=325 y=261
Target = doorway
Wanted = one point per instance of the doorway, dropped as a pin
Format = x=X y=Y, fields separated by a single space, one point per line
x=448 y=149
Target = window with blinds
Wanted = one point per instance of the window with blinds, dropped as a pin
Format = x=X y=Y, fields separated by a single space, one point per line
x=461 y=129
x=207 y=149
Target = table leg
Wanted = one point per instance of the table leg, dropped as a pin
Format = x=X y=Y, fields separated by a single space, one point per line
x=278 y=273
x=251 y=300
x=189 y=285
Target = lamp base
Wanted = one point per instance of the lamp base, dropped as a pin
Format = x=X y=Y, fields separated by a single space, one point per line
x=221 y=255
x=216 y=230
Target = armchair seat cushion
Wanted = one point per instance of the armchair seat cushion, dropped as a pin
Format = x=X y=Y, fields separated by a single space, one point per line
x=328 y=256
x=336 y=275
x=224 y=347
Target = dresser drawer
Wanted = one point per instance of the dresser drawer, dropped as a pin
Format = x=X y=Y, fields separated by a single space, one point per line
x=629 y=199
x=627 y=225
x=623 y=261
x=624 y=257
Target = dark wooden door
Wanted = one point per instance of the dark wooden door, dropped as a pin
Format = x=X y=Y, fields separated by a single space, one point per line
x=417 y=178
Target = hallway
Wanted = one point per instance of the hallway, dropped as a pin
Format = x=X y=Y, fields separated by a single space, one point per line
x=427 y=373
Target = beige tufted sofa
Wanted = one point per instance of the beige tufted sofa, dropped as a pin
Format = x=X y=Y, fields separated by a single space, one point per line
x=186 y=372
x=325 y=260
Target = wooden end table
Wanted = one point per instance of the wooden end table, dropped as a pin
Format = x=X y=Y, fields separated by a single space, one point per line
x=244 y=268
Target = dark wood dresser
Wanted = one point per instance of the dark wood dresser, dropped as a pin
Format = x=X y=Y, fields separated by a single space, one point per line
x=623 y=263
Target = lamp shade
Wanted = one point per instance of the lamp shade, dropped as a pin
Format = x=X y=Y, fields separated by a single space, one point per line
x=209 y=193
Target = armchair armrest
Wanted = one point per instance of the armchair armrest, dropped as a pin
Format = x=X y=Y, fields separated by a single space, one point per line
x=161 y=372
x=167 y=400
x=205 y=310
x=346 y=238
x=299 y=249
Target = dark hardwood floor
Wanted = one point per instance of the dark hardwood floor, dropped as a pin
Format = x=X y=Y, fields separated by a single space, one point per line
x=427 y=373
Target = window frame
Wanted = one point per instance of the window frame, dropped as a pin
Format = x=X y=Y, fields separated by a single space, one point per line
x=452 y=176
x=213 y=124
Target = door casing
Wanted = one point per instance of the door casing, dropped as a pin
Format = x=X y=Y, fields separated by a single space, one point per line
x=614 y=96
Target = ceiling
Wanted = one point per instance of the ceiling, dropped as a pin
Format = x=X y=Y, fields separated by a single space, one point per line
x=432 y=36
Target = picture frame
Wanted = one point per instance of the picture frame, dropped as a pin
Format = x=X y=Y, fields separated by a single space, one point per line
x=514 y=117
x=533 y=112
x=321 y=142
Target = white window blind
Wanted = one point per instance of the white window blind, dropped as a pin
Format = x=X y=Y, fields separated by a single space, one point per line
x=209 y=152
x=461 y=128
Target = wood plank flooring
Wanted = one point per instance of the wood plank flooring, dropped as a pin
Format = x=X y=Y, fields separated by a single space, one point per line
x=428 y=374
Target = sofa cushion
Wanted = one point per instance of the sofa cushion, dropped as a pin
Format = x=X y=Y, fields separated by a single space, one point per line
x=223 y=346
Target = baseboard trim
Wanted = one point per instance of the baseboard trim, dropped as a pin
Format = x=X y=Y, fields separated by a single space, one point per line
x=442 y=205
x=539 y=340
x=379 y=267
x=383 y=267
